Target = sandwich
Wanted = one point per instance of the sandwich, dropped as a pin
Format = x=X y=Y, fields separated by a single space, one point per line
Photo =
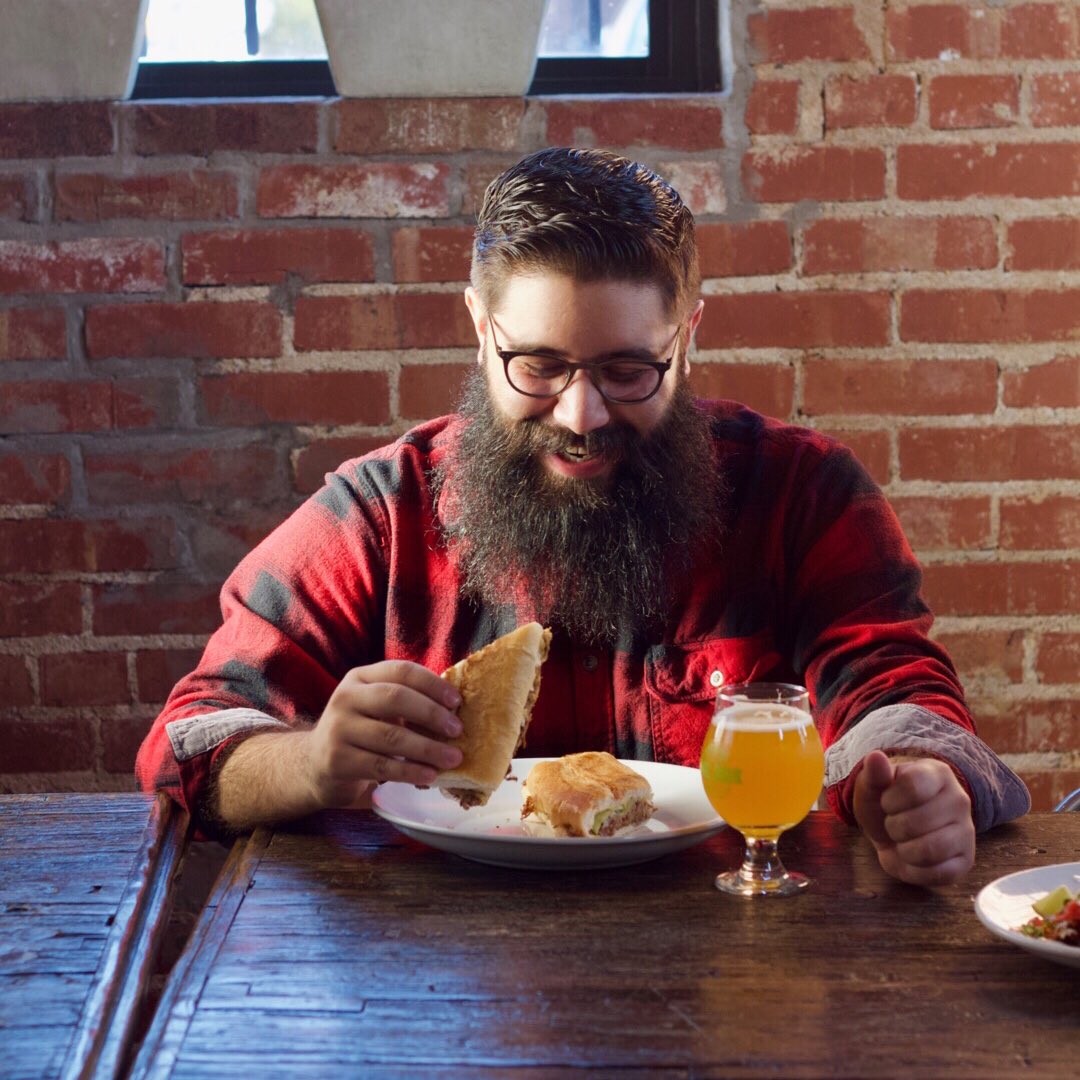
x=499 y=685
x=589 y=794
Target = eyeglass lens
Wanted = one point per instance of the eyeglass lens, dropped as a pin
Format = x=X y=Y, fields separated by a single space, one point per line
x=542 y=376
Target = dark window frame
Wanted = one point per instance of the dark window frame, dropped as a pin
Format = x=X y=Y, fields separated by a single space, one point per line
x=684 y=57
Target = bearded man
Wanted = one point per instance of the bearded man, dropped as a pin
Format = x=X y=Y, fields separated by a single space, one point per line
x=673 y=545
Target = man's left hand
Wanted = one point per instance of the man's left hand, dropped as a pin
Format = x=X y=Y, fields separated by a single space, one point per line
x=918 y=817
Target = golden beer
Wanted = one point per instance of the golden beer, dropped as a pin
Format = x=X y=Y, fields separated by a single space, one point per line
x=762 y=766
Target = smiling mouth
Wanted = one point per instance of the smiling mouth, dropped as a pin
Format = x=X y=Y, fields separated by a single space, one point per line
x=577 y=454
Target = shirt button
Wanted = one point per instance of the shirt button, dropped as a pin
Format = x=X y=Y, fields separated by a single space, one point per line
x=589 y=663
x=717 y=679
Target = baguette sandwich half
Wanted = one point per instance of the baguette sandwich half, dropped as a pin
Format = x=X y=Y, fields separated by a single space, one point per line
x=499 y=685
x=588 y=794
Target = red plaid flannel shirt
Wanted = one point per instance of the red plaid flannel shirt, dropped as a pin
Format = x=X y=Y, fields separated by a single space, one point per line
x=815 y=583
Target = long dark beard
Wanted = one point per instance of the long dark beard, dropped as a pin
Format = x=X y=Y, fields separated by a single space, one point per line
x=596 y=560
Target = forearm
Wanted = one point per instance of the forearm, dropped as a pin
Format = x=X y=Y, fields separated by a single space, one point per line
x=265 y=779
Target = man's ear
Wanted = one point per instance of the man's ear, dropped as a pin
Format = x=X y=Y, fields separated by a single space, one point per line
x=692 y=325
x=479 y=319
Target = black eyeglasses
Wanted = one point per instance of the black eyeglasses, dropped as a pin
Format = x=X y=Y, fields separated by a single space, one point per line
x=621 y=380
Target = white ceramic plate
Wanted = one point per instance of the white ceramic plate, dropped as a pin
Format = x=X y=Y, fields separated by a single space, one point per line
x=494 y=833
x=1006 y=903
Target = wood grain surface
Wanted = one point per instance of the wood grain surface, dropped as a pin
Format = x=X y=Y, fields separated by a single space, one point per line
x=83 y=901
x=341 y=948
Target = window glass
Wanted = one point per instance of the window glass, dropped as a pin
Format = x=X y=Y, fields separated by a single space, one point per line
x=595 y=28
x=230 y=30
x=185 y=30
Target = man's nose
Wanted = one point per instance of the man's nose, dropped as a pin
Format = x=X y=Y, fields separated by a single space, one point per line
x=581 y=407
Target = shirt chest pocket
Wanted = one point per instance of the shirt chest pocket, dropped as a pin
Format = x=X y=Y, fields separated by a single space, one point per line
x=681 y=683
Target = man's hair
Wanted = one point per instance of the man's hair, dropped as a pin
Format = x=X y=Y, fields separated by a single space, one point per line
x=588 y=214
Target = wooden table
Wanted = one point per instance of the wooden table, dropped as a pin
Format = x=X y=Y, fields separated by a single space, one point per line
x=340 y=948
x=83 y=900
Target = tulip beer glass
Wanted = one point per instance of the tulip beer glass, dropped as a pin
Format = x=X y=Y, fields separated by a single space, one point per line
x=762 y=767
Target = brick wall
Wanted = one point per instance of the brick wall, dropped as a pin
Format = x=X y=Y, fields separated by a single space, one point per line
x=204 y=307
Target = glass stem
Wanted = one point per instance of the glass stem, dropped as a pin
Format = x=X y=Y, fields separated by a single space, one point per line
x=760 y=861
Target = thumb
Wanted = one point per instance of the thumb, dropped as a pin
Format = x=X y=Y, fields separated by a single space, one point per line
x=874 y=778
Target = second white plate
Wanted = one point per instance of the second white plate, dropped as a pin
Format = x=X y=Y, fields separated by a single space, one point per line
x=494 y=833
x=1005 y=904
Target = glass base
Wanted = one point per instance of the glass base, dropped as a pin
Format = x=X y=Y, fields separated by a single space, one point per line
x=736 y=883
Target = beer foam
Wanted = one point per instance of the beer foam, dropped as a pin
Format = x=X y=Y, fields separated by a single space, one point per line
x=762 y=716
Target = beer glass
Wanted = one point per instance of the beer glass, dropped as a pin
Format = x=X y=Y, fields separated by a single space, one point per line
x=762 y=767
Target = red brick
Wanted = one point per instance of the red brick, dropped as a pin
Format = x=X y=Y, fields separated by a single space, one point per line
x=869 y=446
x=974 y=101
x=1054 y=385
x=196 y=329
x=34 y=478
x=381 y=189
x=261 y=127
x=33 y=334
x=870 y=101
x=156 y=608
x=1044 y=244
x=195 y=195
x=439 y=253
x=55 y=407
x=56 y=129
x=1055 y=99
x=311 y=463
x=242 y=257
x=220 y=540
x=824 y=33
x=308 y=397
x=990 y=453
x=1058 y=657
x=428 y=390
x=95 y=265
x=1052 y=725
x=1040 y=171
x=478 y=175
x=18 y=197
x=1050 y=588
x=933 y=524
x=1049 y=523
x=699 y=183
x=383 y=321
x=773 y=107
x=856 y=245
x=427 y=125
x=1000 y=723
x=794 y=320
x=1038 y=32
x=30 y=746
x=121 y=737
x=940 y=31
x=1049 y=786
x=829 y=173
x=766 y=388
x=16 y=689
x=743 y=249
x=985 y=315
x=53 y=545
x=985 y=654
x=98 y=678
x=208 y=475
x=899 y=387
x=34 y=609
x=677 y=123
x=159 y=670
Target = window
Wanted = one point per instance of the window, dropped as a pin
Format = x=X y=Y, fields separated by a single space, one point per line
x=269 y=48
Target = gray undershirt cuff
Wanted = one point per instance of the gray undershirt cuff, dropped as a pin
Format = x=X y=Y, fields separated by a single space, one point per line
x=997 y=793
x=196 y=735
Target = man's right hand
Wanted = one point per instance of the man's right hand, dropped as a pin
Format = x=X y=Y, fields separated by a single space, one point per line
x=384 y=721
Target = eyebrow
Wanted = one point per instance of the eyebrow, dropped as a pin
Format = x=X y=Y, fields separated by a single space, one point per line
x=630 y=353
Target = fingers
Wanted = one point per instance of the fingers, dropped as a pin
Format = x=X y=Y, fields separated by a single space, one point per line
x=398 y=688
x=923 y=864
x=873 y=779
x=915 y=783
